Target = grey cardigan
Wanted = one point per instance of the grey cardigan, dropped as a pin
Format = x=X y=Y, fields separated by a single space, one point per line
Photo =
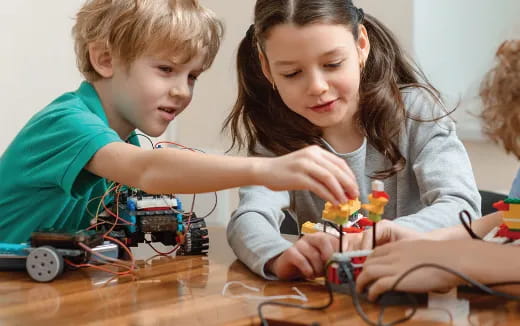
x=436 y=183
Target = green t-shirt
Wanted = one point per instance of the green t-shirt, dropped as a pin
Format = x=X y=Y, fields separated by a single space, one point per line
x=43 y=182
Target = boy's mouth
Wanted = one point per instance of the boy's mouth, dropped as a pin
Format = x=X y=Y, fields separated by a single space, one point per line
x=168 y=113
x=167 y=110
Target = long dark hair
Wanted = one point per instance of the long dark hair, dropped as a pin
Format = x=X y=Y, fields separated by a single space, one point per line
x=259 y=115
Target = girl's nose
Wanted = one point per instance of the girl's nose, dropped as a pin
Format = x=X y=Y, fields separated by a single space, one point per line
x=317 y=84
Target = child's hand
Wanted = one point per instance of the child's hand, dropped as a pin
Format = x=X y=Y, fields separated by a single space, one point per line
x=306 y=258
x=311 y=168
x=387 y=263
x=386 y=231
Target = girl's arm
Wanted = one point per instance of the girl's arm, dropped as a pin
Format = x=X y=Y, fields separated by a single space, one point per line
x=180 y=171
x=254 y=229
x=254 y=235
x=441 y=167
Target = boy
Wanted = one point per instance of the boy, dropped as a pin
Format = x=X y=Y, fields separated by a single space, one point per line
x=141 y=59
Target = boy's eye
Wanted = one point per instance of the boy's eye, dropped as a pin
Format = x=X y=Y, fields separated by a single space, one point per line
x=166 y=69
x=193 y=77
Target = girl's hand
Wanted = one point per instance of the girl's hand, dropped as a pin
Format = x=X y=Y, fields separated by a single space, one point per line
x=387 y=263
x=311 y=168
x=386 y=231
x=306 y=258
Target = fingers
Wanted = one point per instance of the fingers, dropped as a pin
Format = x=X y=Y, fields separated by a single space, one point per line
x=313 y=257
x=346 y=176
x=333 y=172
x=366 y=241
x=318 y=188
x=353 y=241
x=375 y=266
x=324 y=176
x=379 y=287
x=292 y=257
x=325 y=244
x=347 y=182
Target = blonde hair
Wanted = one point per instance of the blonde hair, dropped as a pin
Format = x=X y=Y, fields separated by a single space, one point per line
x=500 y=92
x=131 y=28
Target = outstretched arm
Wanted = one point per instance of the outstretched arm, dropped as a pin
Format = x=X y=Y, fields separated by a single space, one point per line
x=178 y=171
x=485 y=262
x=389 y=231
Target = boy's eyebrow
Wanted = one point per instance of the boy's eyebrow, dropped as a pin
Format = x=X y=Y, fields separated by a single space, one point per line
x=172 y=61
x=326 y=54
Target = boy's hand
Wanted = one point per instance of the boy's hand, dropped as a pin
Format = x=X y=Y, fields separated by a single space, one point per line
x=387 y=263
x=311 y=168
x=386 y=231
x=306 y=258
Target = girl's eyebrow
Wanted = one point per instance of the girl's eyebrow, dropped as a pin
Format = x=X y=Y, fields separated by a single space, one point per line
x=334 y=51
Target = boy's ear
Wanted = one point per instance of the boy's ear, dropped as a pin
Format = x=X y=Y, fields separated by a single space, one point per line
x=265 y=66
x=101 y=59
x=363 y=43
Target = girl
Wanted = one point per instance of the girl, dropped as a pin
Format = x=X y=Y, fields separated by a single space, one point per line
x=321 y=72
x=501 y=117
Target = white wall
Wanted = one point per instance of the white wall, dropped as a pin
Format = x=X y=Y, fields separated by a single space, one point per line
x=397 y=15
x=37 y=59
x=455 y=42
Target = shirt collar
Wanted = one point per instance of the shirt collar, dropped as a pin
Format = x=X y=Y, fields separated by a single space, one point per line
x=89 y=96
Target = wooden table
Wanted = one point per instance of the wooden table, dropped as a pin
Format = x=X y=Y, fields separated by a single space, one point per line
x=187 y=291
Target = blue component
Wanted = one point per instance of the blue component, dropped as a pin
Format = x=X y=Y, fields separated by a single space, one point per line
x=132 y=228
x=132 y=206
x=179 y=215
x=180 y=227
x=14 y=249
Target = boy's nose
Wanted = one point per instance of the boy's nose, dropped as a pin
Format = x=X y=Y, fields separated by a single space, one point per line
x=179 y=90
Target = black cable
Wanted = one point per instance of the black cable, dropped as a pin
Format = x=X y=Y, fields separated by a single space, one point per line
x=213 y=208
x=264 y=322
x=361 y=312
x=338 y=228
x=142 y=135
x=467 y=225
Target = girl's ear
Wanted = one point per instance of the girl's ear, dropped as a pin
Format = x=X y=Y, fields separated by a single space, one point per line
x=363 y=44
x=101 y=59
x=265 y=66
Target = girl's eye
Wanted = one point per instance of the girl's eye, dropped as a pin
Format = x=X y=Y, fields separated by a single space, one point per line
x=291 y=75
x=335 y=64
x=193 y=77
x=165 y=69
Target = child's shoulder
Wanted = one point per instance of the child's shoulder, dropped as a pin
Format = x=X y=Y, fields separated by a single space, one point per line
x=426 y=116
x=425 y=107
x=81 y=106
x=423 y=104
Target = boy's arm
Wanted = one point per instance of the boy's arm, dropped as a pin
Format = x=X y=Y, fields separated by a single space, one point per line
x=180 y=171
